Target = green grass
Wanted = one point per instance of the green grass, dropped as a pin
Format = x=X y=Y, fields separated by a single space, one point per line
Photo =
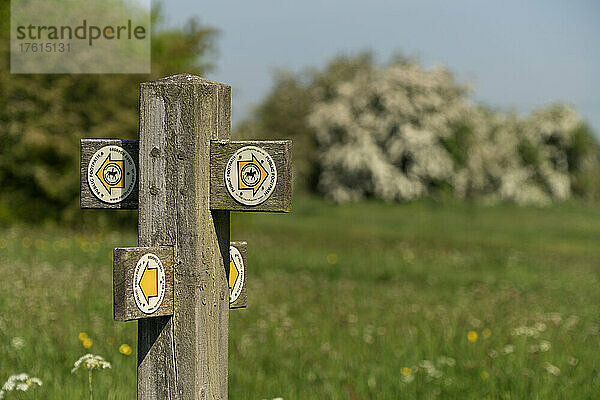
x=342 y=301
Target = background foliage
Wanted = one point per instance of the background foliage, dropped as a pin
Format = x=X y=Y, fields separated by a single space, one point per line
x=42 y=118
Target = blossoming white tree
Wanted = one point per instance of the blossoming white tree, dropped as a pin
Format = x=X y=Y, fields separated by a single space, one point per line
x=402 y=132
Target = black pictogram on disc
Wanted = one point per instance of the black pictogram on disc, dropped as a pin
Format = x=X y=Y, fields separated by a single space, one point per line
x=250 y=175
x=112 y=174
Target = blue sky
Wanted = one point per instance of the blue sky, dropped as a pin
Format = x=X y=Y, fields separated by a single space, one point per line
x=517 y=54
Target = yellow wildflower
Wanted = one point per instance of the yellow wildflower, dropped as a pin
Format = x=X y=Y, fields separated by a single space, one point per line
x=332 y=258
x=484 y=375
x=405 y=371
x=125 y=349
x=472 y=336
x=487 y=332
x=82 y=336
x=87 y=342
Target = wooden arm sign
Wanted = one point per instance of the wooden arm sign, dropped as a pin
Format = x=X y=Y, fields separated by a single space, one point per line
x=251 y=175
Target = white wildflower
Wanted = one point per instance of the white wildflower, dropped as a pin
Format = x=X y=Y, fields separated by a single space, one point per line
x=372 y=382
x=430 y=369
x=571 y=321
x=476 y=323
x=17 y=343
x=22 y=382
x=449 y=361
x=436 y=373
x=545 y=345
x=555 y=318
x=552 y=369
x=90 y=362
x=507 y=349
x=528 y=331
x=22 y=387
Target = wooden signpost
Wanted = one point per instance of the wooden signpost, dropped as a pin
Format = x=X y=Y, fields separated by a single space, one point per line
x=185 y=176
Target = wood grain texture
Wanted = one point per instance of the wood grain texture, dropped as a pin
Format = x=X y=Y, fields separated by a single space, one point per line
x=88 y=148
x=281 y=198
x=242 y=300
x=184 y=356
x=124 y=264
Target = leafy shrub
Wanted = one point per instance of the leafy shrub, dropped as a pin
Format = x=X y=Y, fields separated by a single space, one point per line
x=42 y=118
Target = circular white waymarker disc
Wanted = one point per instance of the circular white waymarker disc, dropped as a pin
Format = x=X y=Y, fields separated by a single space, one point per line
x=149 y=283
x=250 y=175
x=236 y=273
x=111 y=174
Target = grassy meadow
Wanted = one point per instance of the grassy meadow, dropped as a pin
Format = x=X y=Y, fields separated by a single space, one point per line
x=363 y=301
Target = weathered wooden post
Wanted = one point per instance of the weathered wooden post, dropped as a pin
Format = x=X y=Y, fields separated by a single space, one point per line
x=182 y=279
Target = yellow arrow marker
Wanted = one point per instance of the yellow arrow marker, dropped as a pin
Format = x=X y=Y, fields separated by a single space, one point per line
x=251 y=174
x=111 y=174
x=149 y=282
x=233 y=274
